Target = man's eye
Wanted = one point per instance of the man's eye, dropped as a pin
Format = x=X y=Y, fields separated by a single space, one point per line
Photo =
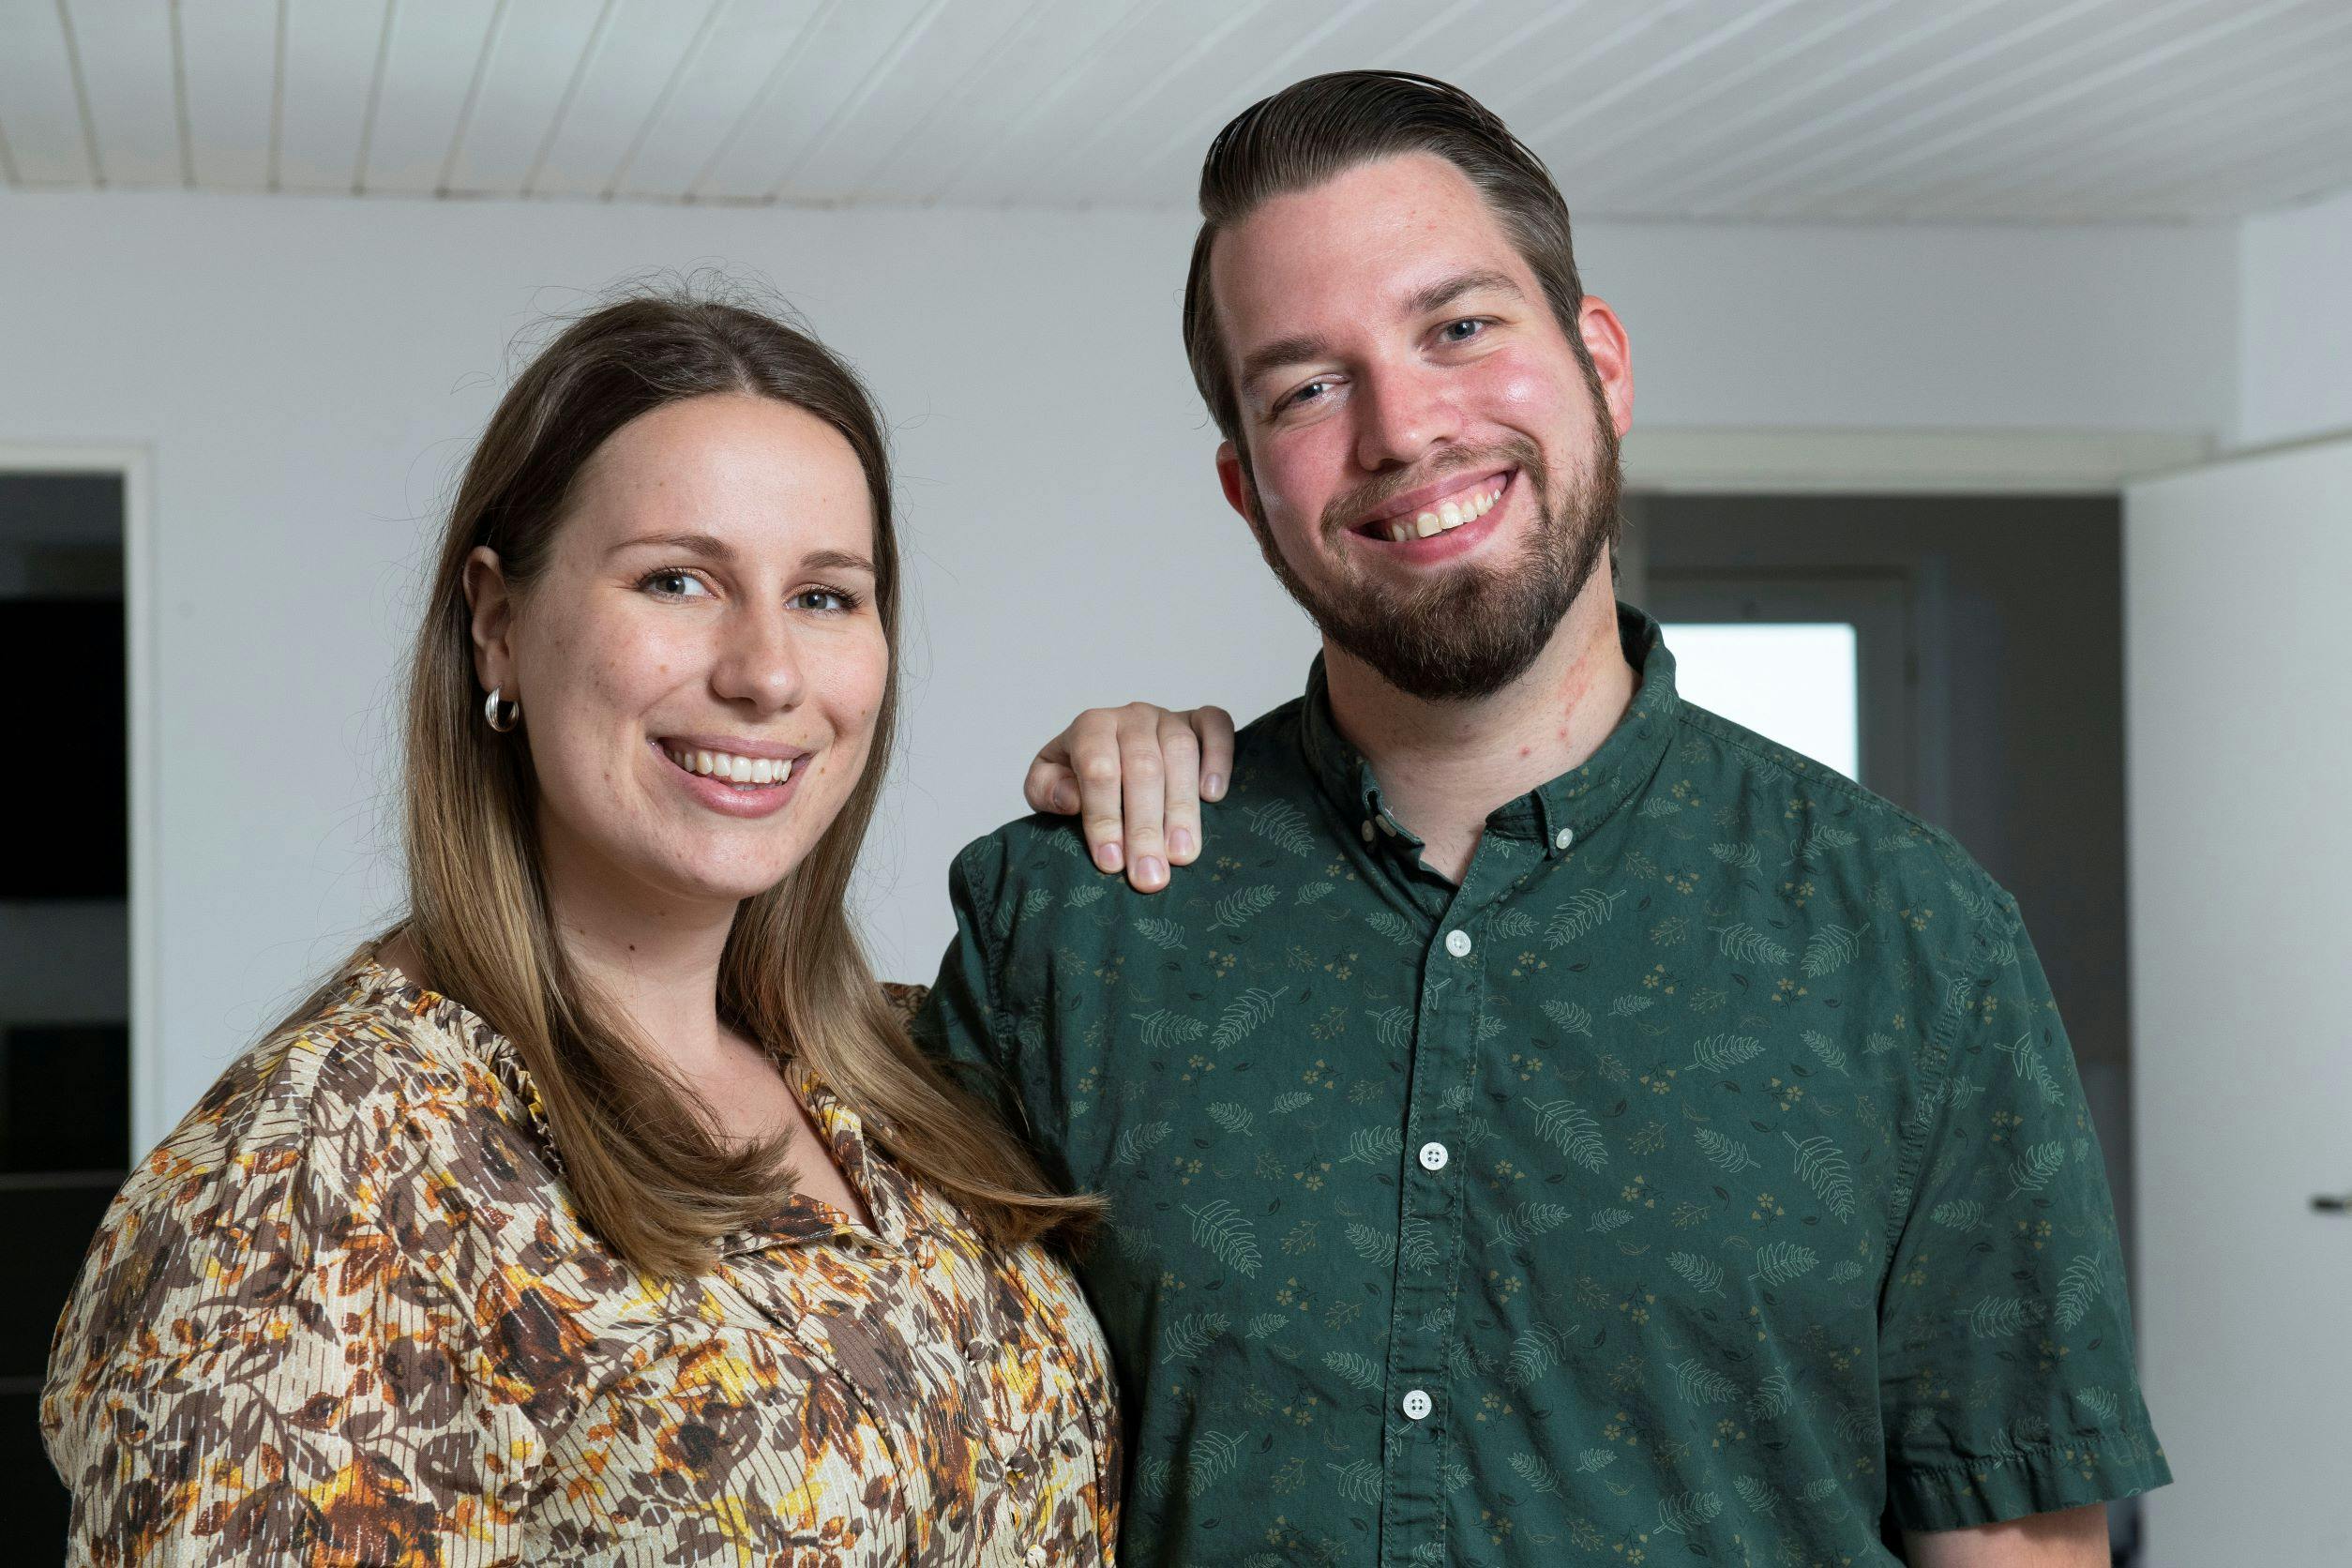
x=1463 y=330
x=1304 y=394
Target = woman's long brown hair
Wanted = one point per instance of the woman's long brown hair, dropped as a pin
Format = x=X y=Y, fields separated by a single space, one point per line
x=639 y=1155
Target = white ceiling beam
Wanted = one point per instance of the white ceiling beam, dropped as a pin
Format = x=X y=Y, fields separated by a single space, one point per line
x=2161 y=120
x=40 y=116
x=228 y=68
x=333 y=48
x=543 y=50
x=432 y=72
x=123 y=55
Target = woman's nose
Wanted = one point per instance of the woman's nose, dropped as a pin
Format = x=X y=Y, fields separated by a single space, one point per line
x=758 y=662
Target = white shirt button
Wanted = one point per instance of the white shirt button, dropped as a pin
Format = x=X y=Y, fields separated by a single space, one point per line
x=1366 y=830
x=1457 y=942
x=1417 y=1404
x=1386 y=826
x=1433 y=1156
x=1564 y=838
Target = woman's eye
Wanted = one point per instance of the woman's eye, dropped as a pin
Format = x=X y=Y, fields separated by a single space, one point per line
x=829 y=600
x=674 y=584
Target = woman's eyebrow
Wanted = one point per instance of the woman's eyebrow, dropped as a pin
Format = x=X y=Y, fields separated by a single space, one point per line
x=838 y=559
x=708 y=544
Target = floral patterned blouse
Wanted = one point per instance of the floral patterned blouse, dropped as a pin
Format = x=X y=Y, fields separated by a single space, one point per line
x=347 y=1314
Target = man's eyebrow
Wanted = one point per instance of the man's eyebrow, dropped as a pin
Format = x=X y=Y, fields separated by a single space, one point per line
x=1438 y=295
x=1282 y=350
x=689 y=544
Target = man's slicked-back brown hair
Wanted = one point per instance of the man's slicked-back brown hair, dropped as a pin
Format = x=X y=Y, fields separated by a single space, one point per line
x=1324 y=126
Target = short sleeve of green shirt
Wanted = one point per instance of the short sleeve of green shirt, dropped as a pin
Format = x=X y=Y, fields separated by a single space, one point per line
x=2006 y=1285
x=959 y=1021
x=964 y=1021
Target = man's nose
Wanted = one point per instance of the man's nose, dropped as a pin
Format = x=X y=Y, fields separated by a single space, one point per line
x=758 y=661
x=1401 y=413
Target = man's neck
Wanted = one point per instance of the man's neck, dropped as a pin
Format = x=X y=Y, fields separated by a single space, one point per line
x=1443 y=766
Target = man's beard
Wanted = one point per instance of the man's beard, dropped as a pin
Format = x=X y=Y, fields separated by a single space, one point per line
x=1470 y=630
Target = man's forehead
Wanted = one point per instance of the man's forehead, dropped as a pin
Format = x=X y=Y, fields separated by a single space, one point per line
x=1379 y=236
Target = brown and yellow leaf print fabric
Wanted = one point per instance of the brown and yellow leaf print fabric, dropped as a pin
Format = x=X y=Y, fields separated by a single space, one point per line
x=346 y=1315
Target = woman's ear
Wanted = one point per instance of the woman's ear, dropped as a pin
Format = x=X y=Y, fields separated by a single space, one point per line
x=493 y=608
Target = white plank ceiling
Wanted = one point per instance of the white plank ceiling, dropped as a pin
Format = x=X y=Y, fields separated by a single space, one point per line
x=2062 y=110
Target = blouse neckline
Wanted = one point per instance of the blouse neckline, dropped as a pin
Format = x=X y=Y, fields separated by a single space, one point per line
x=802 y=1219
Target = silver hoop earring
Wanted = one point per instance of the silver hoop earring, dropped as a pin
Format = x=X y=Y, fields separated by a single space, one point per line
x=491 y=705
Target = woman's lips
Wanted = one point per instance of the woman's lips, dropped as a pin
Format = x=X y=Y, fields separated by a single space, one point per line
x=753 y=796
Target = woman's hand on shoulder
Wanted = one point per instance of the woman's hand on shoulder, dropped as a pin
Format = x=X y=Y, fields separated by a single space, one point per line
x=1134 y=778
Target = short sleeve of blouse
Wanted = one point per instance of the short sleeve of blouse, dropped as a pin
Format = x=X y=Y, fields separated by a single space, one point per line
x=253 y=1367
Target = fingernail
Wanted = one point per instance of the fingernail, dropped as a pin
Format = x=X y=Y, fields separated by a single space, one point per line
x=1151 y=869
x=1180 y=843
x=1109 y=857
x=1065 y=798
x=1214 y=786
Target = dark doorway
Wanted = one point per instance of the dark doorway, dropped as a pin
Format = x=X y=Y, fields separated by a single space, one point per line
x=65 y=951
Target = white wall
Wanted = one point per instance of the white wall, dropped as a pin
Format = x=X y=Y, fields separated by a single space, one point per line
x=1924 y=327
x=309 y=371
x=2295 y=372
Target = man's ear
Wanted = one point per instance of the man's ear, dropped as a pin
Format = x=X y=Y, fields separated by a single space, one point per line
x=493 y=606
x=1235 y=478
x=1612 y=356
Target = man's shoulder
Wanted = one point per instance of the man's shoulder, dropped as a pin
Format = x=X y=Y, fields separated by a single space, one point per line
x=1816 y=818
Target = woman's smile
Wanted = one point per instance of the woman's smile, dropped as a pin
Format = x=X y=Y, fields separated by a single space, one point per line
x=739 y=778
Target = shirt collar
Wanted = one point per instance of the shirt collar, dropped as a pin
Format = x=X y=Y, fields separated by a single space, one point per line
x=1574 y=803
x=879 y=1185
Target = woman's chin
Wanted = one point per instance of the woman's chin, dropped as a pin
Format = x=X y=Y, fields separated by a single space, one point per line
x=718 y=880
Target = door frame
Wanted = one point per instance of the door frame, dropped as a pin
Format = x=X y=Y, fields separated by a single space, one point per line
x=134 y=464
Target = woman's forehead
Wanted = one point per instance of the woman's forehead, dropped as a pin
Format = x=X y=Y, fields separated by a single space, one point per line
x=756 y=474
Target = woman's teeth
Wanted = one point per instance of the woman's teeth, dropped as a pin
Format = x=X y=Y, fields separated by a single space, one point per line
x=732 y=769
x=1450 y=514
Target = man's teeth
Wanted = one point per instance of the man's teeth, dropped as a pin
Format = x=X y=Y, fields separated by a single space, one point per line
x=734 y=769
x=1450 y=514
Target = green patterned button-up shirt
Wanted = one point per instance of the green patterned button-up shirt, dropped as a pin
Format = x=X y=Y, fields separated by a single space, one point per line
x=1706 y=1174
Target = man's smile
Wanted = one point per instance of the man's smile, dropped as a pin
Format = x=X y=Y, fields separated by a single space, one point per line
x=1437 y=508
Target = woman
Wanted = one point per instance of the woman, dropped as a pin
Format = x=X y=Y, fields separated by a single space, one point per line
x=604 y=1212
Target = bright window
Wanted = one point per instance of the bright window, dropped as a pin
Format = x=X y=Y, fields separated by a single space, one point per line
x=1796 y=682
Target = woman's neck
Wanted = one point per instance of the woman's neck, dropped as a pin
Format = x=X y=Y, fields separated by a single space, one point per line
x=654 y=959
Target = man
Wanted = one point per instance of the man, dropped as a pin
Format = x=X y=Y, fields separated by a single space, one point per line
x=1549 y=1124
